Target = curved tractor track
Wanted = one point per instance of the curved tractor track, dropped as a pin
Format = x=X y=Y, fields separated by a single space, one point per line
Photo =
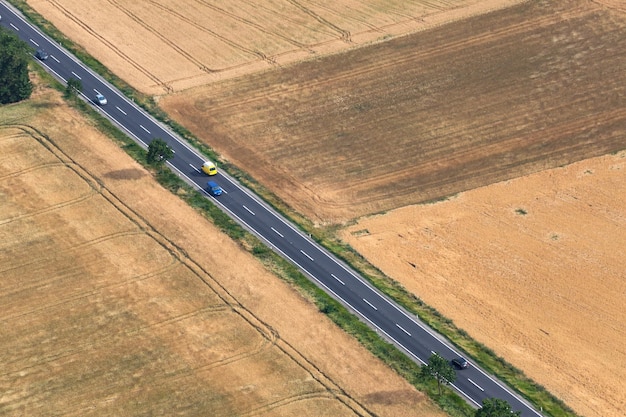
x=93 y=280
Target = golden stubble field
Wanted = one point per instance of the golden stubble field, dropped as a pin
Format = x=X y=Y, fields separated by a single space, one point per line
x=533 y=268
x=118 y=299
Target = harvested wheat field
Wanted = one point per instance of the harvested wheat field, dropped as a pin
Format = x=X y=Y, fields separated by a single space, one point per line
x=161 y=46
x=118 y=299
x=493 y=97
x=533 y=268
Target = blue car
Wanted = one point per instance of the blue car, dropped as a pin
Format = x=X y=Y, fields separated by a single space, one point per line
x=214 y=189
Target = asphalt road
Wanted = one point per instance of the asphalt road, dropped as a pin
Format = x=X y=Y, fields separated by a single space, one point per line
x=389 y=320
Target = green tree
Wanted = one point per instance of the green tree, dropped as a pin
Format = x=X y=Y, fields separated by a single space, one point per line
x=15 y=84
x=73 y=87
x=440 y=369
x=495 y=407
x=159 y=152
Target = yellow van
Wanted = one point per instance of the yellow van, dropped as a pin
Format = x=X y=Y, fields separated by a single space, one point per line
x=209 y=168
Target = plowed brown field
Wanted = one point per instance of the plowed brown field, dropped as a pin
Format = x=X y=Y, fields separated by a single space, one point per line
x=493 y=97
x=119 y=300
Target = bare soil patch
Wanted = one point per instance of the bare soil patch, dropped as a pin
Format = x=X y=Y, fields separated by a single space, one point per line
x=533 y=268
x=118 y=299
x=482 y=100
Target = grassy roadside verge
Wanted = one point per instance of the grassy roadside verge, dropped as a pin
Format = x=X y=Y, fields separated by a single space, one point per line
x=327 y=237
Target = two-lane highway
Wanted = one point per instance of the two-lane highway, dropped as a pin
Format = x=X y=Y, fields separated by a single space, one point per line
x=389 y=320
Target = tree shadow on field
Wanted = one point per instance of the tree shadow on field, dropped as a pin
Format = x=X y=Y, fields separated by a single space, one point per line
x=43 y=105
x=126 y=174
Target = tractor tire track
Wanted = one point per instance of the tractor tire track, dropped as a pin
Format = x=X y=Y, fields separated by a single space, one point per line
x=190 y=22
x=250 y=23
x=53 y=207
x=285 y=401
x=344 y=35
x=382 y=65
x=92 y=292
x=110 y=45
x=75 y=248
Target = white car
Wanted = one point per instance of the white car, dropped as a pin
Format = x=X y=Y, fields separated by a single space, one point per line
x=100 y=99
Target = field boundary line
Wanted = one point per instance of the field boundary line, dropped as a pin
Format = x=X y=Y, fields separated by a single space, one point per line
x=110 y=45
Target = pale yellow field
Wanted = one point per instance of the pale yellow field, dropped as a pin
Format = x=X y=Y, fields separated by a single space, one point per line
x=160 y=46
x=118 y=299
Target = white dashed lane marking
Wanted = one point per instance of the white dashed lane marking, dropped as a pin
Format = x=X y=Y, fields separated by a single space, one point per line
x=370 y=304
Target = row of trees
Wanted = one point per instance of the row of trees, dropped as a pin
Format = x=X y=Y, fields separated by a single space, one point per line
x=15 y=84
x=439 y=368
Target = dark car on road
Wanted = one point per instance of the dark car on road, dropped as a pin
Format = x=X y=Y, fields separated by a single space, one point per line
x=460 y=363
x=41 y=55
